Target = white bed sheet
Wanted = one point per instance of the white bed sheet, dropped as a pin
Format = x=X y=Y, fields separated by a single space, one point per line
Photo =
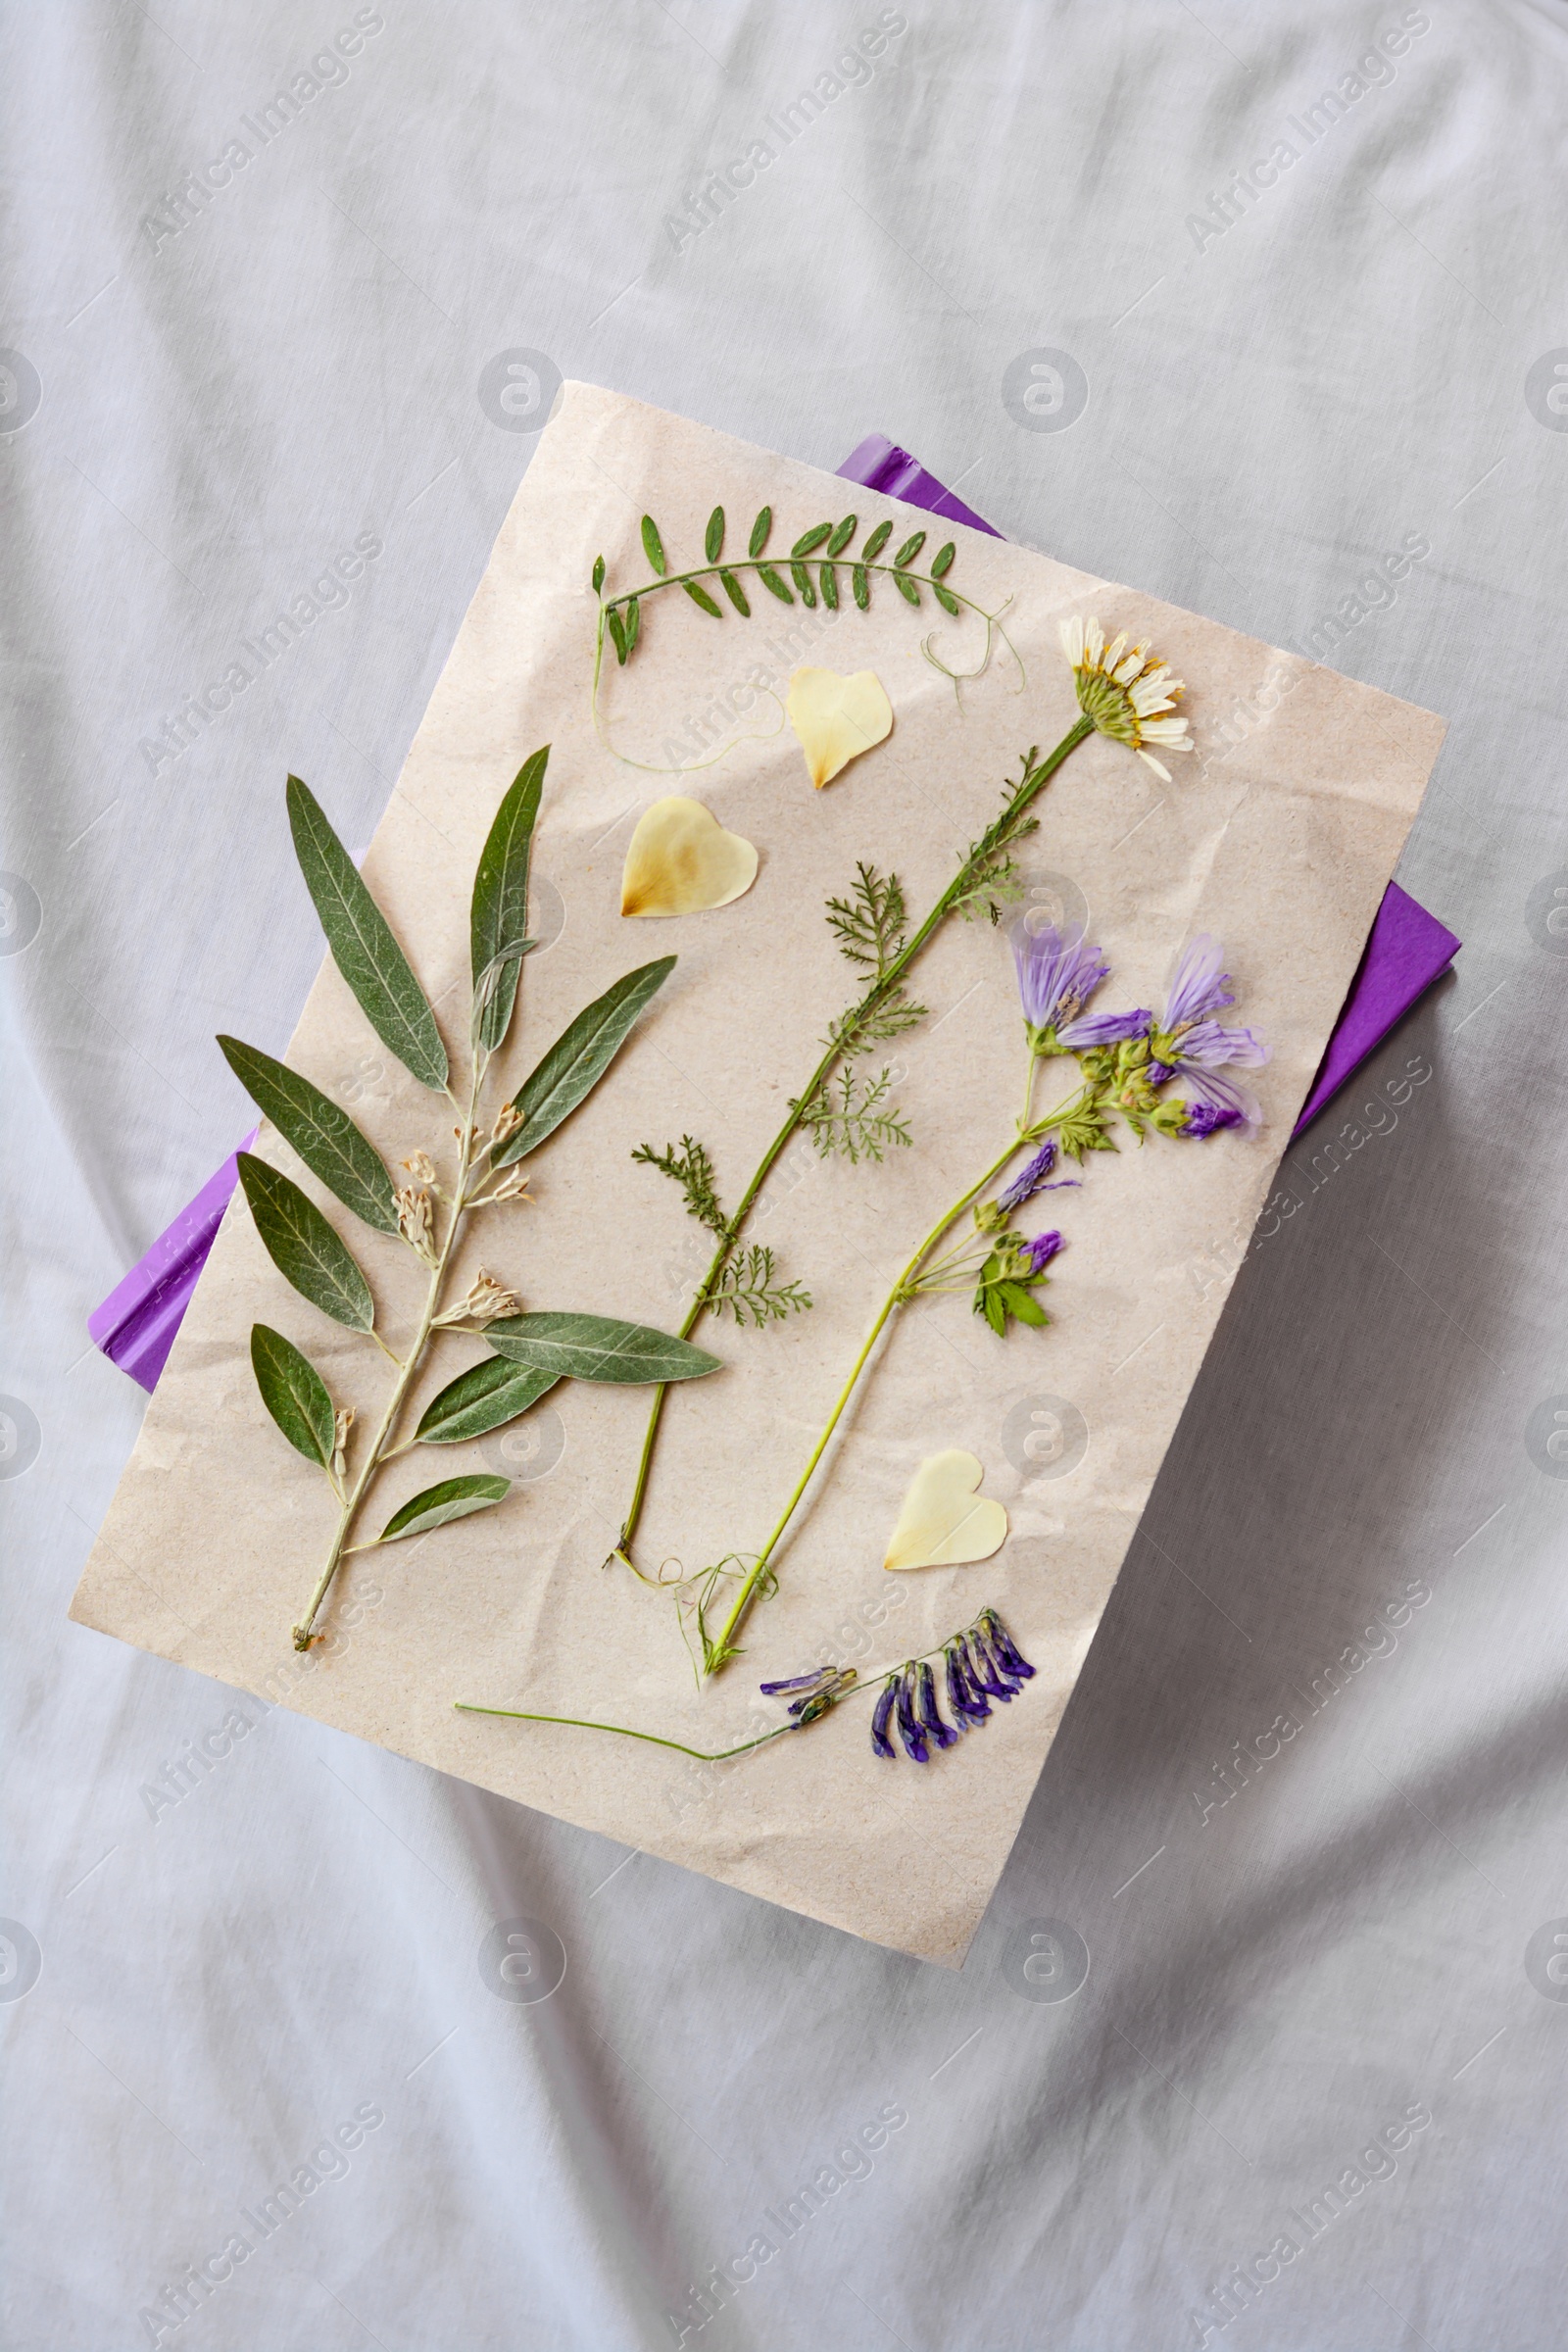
x=1364 y=357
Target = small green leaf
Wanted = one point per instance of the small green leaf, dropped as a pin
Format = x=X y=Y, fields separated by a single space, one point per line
x=860 y=580
x=654 y=546
x=736 y=593
x=294 y=1394
x=811 y=539
x=596 y=1347
x=907 y=588
x=437 y=1507
x=634 y=621
x=909 y=550
x=325 y=1136
x=830 y=587
x=945 y=598
x=498 y=921
x=362 y=944
x=714 y=538
x=942 y=560
x=843 y=536
x=304 y=1247
x=618 y=634
x=802 y=581
x=598 y=573
x=579 y=1058
x=876 y=543
x=489 y=1394
x=760 y=530
x=996 y=1314
x=700 y=596
x=771 y=580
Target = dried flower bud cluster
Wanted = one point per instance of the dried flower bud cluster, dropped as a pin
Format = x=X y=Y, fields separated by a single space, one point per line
x=484 y=1301
x=420 y=1167
x=513 y=1186
x=416 y=1222
x=343 y=1422
x=508 y=1119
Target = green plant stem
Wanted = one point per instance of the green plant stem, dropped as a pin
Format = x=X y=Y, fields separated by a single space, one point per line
x=407 y=1374
x=581 y=1723
x=993 y=839
x=717 y=1654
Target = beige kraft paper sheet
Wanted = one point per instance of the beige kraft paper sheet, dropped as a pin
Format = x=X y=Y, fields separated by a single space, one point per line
x=1278 y=835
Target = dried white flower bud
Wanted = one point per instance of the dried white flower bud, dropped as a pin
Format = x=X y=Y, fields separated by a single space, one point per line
x=341 y=1426
x=513 y=1186
x=416 y=1222
x=508 y=1119
x=421 y=1167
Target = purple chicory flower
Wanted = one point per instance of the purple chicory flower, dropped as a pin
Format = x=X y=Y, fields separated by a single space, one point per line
x=1104 y=1029
x=1029 y=1179
x=1058 y=971
x=910 y=1731
x=927 y=1710
x=1199 y=1049
x=882 y=1714
x=1039 y=1253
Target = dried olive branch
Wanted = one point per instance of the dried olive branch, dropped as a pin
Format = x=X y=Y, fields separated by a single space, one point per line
x=619 y=618
x=884 y=990
x=529 y=1354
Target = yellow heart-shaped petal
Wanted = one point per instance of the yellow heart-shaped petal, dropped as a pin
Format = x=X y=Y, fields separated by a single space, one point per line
x=946 y=1521
x=837 y=718
x=680 y=861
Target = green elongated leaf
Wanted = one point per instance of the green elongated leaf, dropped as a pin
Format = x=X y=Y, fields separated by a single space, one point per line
x=618 y=634
x=802 y=581
x=910 y=549
x=843 y=536
x=498 y=921
x=362 y=942
x=579 y=1058
x=294 y=1394
x=483 y=1399
x=437 y=1507
x=598 y=573
x=861 y=583
x=942 y=561
x=700 y=596
x=303 y=1246
x=811 y=539
x=945 y=598
x=325 y=1136
x=770 y=579
x=876 y=543
x=830 y=587
x=654 y=546
x=760 y=530
x=714 y=538
x=634 y=620
x=907 y=587
x=596 y=1347
x=736 y=593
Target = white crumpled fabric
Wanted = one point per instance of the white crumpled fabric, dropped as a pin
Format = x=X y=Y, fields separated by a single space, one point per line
x=264 y=1999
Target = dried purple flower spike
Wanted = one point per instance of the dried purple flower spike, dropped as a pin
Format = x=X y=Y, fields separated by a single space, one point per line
x=1039 y=1251
x=927 y=1710
x=1029 y=1179
x=882 y=1715
x=910 y=1731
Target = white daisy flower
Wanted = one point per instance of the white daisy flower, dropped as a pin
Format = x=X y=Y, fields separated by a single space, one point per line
x=1125 y=691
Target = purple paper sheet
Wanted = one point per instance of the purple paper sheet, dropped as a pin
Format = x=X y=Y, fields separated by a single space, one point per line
x=135 y=1325
x=1406 y=951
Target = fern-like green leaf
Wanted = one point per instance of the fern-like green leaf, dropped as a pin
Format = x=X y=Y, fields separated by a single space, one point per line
x=876 y=543
x=713 y=537
x=843 y=536
x=760 y=530
x=654 y=546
